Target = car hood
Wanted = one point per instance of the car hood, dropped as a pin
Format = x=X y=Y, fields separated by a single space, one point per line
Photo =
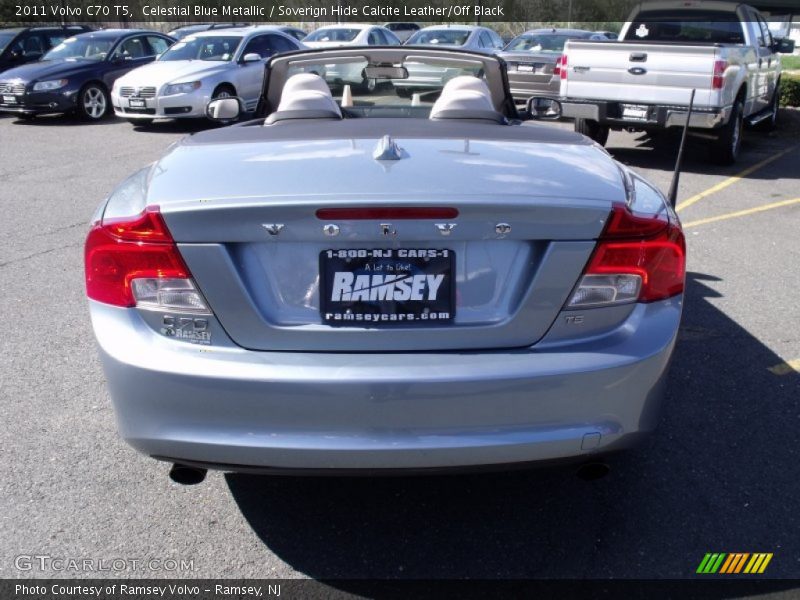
x=474 y=160
x=48 y=69
x=159 y=72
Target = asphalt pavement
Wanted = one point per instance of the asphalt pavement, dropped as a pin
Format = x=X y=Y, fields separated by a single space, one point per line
x=719 y=475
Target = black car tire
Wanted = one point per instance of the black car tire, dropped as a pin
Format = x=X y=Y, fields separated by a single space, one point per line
x=592 y=129
x=93 y=102
x=729 y=139
x=223 y=91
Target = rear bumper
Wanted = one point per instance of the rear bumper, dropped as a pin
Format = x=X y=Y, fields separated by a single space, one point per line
x=659 y=117
x=243 y=409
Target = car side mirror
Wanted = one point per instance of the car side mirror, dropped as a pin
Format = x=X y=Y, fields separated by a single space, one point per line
x=783 y=46
x=251 y=57
x=225 y=110
x=542 y=108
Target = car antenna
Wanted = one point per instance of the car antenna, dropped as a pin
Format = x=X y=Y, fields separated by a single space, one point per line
x=673 y=186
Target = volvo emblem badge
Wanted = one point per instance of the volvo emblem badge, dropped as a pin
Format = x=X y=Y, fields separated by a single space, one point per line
x=387 y=230
x=445 y=228
x=273 y=228
x=502 y=229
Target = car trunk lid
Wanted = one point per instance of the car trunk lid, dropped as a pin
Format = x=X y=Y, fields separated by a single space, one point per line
x=520 y=228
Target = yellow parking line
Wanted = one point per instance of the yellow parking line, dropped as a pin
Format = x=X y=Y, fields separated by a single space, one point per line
x=741 y=213
x=784 y=368
x=731 y=180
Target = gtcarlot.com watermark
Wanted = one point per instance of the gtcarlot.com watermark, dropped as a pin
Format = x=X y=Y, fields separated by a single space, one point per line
x=66 y=564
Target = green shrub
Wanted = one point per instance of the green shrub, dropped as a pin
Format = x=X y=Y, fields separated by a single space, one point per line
x=790 y=90
x=790 y=61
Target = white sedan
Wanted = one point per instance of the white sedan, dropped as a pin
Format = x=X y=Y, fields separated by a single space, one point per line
x=206 y=65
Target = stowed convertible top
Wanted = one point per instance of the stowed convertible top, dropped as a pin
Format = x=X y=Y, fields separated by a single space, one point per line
x=377 y=127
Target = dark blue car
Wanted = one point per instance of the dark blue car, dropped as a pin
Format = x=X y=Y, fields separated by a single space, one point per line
x=78 y=74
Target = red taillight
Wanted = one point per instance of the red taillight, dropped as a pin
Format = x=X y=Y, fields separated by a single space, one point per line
x=121 y=250
x=651 y=247
x=718 y=80
x=561 y=67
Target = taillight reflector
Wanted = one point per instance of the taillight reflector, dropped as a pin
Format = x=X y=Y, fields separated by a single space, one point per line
x=561 y=67
x=650 y=248
x=718 y=79
x=121 y=250
x=657 y=255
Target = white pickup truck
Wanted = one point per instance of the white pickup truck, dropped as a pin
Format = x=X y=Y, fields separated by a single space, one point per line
x=643 y=82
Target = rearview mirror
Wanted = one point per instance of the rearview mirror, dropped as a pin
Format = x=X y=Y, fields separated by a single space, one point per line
x=251 y=57
x=225 y=110
x=542 y=108
x=385 y=73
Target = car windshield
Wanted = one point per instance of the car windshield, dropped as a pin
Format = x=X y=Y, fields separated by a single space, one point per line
x=687 y=26
x=336 y=34
x=88 y=48
x=387 y=95
x=5 y=38
x=443 y=37
x=534 y=42
x=219 y=48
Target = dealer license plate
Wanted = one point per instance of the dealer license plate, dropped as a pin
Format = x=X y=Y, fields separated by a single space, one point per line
x=634 y=111
x=365 y=287
x=9 y=99
x=136 y=103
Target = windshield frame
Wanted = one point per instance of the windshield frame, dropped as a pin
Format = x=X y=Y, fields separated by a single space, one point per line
x=68 y=42
x=10 y=35
x=199 y=37
x=323 y=30
x=493 y=68
x=420 y=32
x=565 y=36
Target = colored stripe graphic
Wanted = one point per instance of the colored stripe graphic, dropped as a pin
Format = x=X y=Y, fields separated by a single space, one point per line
x=734 y=563
x=729 y=564
x=711 y=562
x=758 y=563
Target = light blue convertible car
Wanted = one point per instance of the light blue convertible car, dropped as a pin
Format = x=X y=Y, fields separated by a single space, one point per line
x=370 y=283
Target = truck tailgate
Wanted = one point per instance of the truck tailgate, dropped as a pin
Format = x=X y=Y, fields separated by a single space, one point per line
x=661 y=74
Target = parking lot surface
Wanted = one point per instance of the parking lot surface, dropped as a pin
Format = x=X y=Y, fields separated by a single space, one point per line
x=719 y=475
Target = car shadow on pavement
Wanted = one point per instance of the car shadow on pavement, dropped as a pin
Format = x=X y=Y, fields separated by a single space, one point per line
x=61 y=120
x=170 y=126
x=660 y=150
x=177 y=126
x=719 y=475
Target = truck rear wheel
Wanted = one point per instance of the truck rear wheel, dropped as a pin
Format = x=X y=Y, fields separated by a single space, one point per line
x=729 y=140
x=592 y=129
